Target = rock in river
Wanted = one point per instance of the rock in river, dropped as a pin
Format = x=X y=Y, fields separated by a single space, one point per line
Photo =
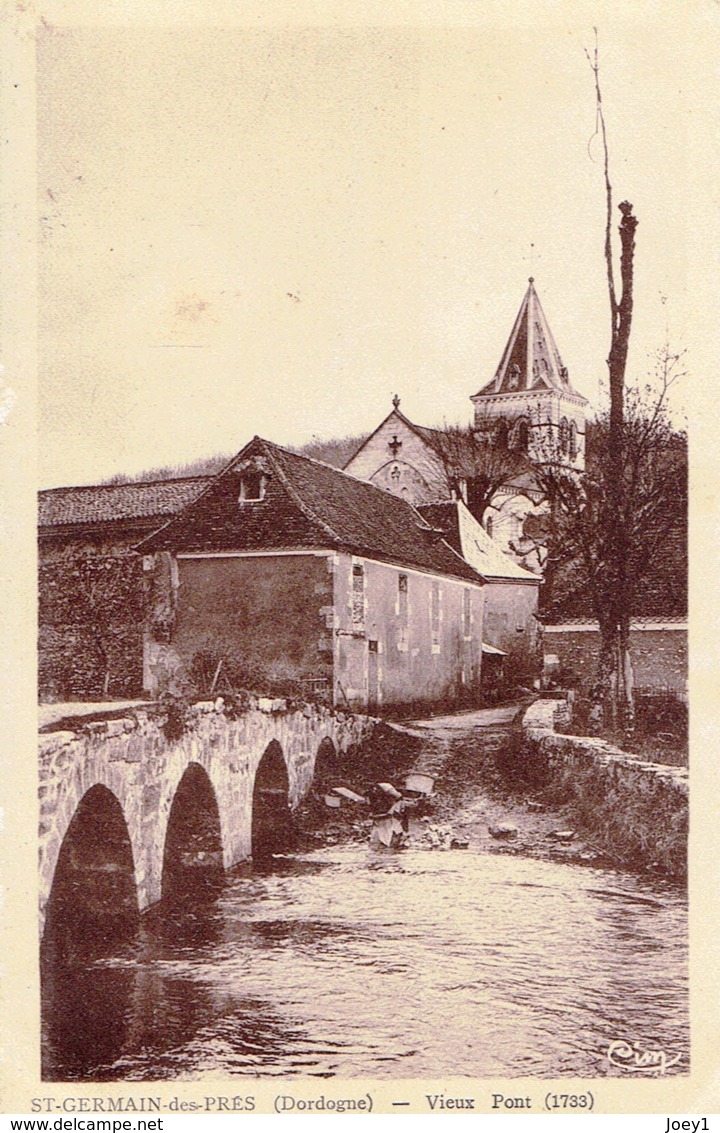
x=503 y=830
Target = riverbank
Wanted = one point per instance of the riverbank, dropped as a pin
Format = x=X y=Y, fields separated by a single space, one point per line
x=631 y=806
x=473 y=757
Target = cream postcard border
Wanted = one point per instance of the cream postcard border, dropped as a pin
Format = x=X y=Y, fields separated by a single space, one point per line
x=698 y=30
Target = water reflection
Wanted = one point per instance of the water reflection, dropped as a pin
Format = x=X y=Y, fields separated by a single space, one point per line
x=349 y=962
x=86 y=1019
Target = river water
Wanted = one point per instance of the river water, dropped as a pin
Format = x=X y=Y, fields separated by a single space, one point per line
x=349 y=960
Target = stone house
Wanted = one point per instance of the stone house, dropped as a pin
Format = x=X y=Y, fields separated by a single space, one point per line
x=91 y=585
x=288 y=570
x=512 y=638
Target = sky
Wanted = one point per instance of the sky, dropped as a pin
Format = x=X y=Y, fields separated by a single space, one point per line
x=273 y=229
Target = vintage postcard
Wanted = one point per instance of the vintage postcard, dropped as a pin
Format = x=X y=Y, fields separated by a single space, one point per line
x=359 y=684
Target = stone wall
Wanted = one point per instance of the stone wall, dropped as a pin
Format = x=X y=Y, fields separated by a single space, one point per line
x=635 y=810
x=142 y=756
x=659 y=653
x=264 y=616
x=510 y=624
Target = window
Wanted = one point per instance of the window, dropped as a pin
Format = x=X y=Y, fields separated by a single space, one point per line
x=573 y=441
x=489 y=524
x=358 y=595
x=252 y=486
x=435 y=617
x=522 y=435
x=467 y=613
x=501 y=433
x=564 y=437
x=402 y=609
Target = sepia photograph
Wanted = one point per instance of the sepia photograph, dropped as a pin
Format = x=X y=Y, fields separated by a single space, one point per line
x=366 y=367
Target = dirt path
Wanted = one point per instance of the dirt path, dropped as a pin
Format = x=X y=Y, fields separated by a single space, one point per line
x=467 y=753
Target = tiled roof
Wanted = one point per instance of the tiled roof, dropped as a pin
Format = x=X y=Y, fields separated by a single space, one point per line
x=114 y=503
x=306 y=504
x=463 y=532
x=531 y=360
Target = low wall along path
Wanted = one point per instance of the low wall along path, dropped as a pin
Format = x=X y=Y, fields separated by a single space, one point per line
x=632 y=808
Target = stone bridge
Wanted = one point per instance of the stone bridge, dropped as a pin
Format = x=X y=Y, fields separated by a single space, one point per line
x=131 y=797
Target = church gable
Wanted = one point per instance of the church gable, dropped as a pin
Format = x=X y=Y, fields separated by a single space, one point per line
x=399 y=457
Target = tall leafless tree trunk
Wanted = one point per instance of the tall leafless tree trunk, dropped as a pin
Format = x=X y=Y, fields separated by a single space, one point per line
x=615 y=670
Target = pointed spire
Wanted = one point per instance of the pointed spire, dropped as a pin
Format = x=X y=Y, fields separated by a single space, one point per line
x=531 y=359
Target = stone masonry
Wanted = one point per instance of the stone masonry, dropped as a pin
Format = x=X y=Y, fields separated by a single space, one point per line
x=635 y=809
x=133 y=758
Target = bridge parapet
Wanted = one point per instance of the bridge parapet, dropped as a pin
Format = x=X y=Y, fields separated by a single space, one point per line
x=142 y=756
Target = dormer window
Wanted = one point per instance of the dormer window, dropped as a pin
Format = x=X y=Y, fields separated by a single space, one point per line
x=252 y=487
x=252 y=481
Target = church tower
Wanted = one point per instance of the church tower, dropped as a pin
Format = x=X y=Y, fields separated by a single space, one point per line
x=530 y=401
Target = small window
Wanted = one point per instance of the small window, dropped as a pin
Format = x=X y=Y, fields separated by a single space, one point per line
x=573 y=441
x=435 y=617
x=402 y=610
x=358 y=594
x=467 y=613
x=564 y=437
x=489 y=524
x=252 y=486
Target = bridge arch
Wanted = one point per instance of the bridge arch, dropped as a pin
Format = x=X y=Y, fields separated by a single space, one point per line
x=93 y=896
x=271 y=819
x=135 y=762
x=85 y=776
x=193 y=846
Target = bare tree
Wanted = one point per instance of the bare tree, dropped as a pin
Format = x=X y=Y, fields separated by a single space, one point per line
x=482 y=461
x=613 y=508
x=637 y=487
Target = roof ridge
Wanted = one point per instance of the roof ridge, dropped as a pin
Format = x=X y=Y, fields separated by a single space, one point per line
x=290 y=488
x=127 y=484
